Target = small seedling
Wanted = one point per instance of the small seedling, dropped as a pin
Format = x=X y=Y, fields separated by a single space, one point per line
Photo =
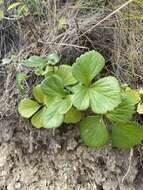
x=66 y=91
x=20 y=78
x=41 y=65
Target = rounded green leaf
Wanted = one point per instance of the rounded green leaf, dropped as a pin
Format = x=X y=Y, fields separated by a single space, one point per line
x=60 y=106
x=123 y=112
x=28 y=107
x=54 y=115
x=72 y=116
x=94 y=132
x=105 y=95
x=53 y=85
x=53 y=59
x=80 y=98
x=65 y=72
x=49 y=100
x=126 y=135
x=51 y=119
x=53 y=122
x=87 y=66
x=63 y=105
x=35 y=61
x=36 y=120
x=38 y=93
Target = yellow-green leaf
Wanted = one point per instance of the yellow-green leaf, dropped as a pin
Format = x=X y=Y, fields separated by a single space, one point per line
x=1 y=15
x=28 y=107
x=140 y=108
x=133 y=94
x=38 y=93
x=37 y=118
x=52 y=119
x=72 y=116
x=62 y=23
x=1 y=1
x=22 y=10
x=13 y=5
x=54 y=115
x=141 y=91
x=48 y=100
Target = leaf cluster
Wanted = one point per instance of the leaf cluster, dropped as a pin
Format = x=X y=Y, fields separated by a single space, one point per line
x=66 y=92
x=20 y=8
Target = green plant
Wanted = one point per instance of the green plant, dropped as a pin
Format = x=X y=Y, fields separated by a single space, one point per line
x=66 y=91
x=41 y=65
x=20 y=8
x=20 y=78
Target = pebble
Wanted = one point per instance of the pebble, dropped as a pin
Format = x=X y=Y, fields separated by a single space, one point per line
x=17 y=185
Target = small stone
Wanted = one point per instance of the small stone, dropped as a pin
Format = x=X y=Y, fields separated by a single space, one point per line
x=10 y=187
x=3 y=173
x=17 y=185
x=71 y=144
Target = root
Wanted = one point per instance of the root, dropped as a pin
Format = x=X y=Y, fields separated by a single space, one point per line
x=129 y=167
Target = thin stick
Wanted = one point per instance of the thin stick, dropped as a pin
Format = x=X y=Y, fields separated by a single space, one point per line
x=64 y=44
x=107 y=17
x=129 y=168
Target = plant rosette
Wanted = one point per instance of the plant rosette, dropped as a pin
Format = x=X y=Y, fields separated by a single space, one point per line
x=66 y=91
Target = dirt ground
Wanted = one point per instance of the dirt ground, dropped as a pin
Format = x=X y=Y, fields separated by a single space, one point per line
x=34 y=159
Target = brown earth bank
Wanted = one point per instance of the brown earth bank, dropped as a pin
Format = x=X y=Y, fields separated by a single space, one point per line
x=69 y=169
x=34 y=159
